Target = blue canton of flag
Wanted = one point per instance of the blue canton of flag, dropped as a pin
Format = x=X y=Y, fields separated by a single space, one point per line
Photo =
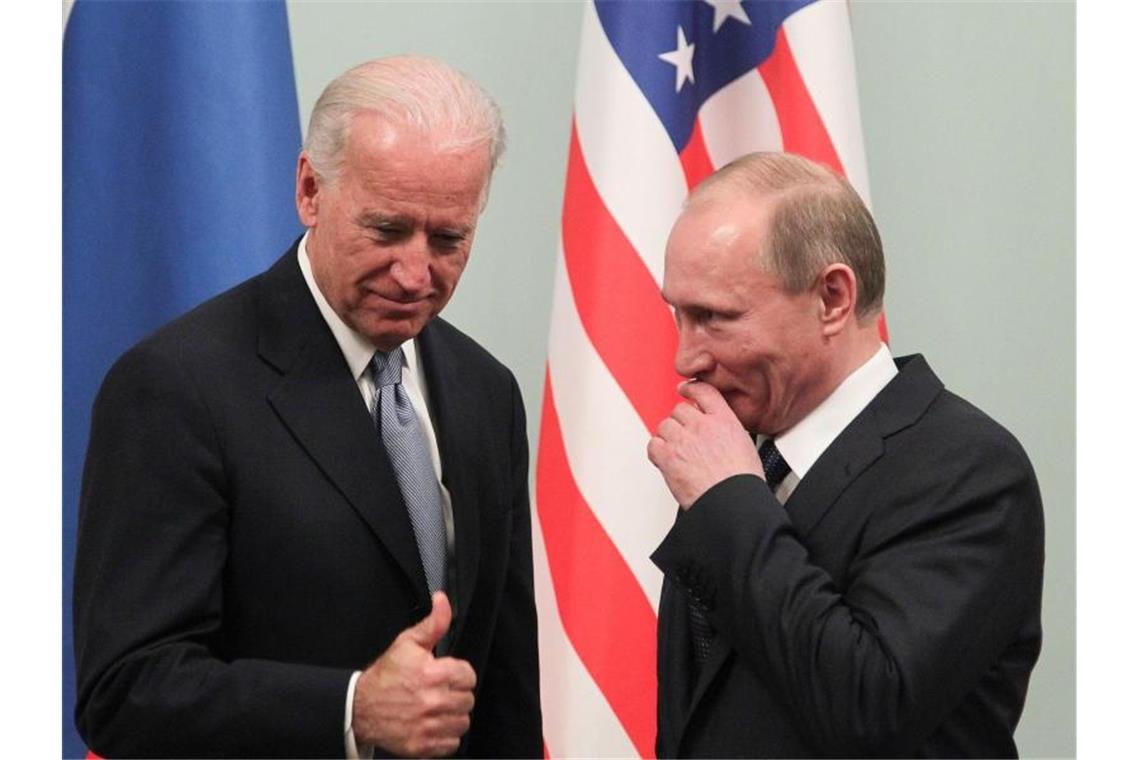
x=681 y=53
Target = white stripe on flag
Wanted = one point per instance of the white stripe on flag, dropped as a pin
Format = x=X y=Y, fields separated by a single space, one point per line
x=626 y=148
x=605 y=444
x=577 y=720
x=740 y=119
x=820 y=40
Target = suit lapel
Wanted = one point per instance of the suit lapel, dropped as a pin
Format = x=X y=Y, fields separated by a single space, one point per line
x=856 y=448
x=456 y=432
x=320 y=404
x=900 y=404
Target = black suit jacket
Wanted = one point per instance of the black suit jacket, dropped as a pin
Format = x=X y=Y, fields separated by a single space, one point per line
x=892 y=609
x=244 y=545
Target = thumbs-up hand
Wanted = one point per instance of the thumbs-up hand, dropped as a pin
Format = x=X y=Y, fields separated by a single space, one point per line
x=411 y=703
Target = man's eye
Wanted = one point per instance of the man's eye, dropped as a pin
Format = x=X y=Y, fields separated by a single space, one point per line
x=389 y=231
x=448 y=240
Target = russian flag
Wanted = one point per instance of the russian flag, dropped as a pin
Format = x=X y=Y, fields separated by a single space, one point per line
x=180 y=140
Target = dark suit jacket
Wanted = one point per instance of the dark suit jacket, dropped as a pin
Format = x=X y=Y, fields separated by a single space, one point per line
x=244 y=546
x=892 y=609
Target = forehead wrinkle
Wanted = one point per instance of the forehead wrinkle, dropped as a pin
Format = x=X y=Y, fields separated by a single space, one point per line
x=379 y=217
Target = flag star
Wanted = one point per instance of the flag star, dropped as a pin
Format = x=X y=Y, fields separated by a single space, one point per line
x=682 y=58
x=726 y=8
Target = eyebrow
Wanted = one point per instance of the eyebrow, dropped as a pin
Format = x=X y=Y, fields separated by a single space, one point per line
x=377 y=219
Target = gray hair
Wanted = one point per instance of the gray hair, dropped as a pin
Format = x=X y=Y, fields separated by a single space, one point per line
x=416 y=90
x=817 y=219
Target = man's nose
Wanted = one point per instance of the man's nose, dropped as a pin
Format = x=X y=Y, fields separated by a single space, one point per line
x=411 y=268
x=692 y=358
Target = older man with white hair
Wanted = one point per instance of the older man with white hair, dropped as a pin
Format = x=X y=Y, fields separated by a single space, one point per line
x=304 y=528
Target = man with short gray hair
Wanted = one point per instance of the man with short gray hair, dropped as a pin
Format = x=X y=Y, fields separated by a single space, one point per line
x=867 y=581
x=305 y=525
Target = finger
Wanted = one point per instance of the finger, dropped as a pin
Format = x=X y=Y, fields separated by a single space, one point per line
x=668 y=429
x=453 y=725
x=462 y=675
x=442 y=701
x=430 y=630
x=705 y=396
x=442 y=747
x=465 y=702
x=655 y=450
x=686 y=413
x=680 y=389
x=455 y=673
x=432 y=743
x=457 y=703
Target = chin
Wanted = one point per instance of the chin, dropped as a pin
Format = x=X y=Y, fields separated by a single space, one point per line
x=389 y=341
x=745 y=416
x=395 y=334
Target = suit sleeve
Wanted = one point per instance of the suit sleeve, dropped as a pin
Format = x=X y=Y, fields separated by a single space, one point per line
x=507 y=719
x=938 y=587
x=153 y=679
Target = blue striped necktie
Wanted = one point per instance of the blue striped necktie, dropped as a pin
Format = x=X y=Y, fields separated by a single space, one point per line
x=406 y=442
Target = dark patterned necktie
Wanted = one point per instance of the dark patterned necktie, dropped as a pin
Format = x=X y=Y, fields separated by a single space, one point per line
x=775 y=470
x=406 y=442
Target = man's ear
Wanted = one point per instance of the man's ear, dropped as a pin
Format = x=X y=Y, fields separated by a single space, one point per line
x=308 y=191
x=838 y=293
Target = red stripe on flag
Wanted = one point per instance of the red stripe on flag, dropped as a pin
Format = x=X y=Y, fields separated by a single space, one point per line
x=695 y=161
x=603 y=608
x=617 y=298
x=800 y=125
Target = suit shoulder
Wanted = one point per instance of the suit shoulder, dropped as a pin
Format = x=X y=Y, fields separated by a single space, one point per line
x=958 y=462
x=226 y=315
x=922 y=415
x=200 y=337
x=964 y=425
x=467 y=350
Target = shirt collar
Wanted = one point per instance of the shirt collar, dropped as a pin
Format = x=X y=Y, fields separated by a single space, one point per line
x=803 y=443
x=357 y=349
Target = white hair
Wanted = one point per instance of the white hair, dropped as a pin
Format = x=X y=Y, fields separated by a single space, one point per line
x=415 y=90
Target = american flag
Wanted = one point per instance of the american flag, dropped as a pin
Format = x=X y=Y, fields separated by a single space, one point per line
x=667 y=92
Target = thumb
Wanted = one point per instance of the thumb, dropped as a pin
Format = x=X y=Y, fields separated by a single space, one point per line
x=430 y=630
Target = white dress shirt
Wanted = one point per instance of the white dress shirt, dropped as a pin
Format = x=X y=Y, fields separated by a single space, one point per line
x=803 y=443
x=358 y=352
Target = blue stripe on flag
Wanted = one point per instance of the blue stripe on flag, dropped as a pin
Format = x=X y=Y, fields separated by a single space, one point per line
x=180 y=139
x=641 y=31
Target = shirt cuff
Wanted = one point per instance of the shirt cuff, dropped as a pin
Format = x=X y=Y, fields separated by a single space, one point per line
x=351 y=750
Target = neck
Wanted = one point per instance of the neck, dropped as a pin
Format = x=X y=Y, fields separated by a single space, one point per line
x=864 y=342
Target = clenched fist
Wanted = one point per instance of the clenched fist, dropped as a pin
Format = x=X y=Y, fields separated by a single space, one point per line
x=408 y=701
x=700 y=444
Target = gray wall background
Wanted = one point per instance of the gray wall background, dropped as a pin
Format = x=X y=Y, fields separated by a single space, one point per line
x=969 y=122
